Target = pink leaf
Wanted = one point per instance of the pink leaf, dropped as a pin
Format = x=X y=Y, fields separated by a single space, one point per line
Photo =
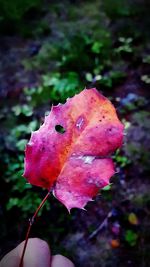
x=76 y=162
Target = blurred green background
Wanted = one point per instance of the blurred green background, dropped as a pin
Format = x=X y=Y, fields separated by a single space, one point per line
x=50 y=50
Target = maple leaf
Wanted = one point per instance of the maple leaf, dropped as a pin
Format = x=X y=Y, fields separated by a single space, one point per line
x=70 y=153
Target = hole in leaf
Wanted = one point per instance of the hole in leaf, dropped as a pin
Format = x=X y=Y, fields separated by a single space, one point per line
x=60 y=129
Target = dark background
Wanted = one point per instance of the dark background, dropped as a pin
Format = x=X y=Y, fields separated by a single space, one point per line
x=50 y=50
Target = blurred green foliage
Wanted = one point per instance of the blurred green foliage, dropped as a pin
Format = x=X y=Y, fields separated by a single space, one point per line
x=14 y=10
x=137 y=141
x=14 y=14
x=128 y=15
x=86 y=56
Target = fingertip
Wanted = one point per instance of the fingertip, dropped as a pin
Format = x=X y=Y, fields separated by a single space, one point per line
x=61 y=261
x=37 y=253
x=36 y=242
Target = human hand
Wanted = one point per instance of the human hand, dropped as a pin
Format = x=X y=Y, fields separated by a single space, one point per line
x=37 y=254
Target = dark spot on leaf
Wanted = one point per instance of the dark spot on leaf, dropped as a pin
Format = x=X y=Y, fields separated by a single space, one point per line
x=60 y=129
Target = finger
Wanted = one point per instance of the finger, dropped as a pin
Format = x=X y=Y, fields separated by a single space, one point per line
x=37 y=253
x=61 y=261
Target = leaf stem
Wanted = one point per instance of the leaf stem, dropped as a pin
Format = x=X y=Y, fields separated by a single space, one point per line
x=31 y=221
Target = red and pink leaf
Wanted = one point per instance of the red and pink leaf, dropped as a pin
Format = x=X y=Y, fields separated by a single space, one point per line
x=75 y=163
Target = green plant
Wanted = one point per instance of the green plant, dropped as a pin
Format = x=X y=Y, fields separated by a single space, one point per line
x=125 y=45
x=54 y=87
x=62 y=87
x=74 y=54
x=131 y=238
x=121 y=159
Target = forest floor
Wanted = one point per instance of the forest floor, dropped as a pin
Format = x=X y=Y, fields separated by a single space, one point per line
x=114 y=231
